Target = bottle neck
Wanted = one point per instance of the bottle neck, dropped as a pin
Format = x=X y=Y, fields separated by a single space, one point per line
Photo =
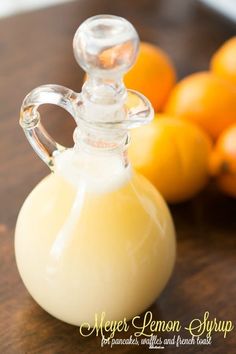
x=101 y=142
x=98 y=160
x=102 y=107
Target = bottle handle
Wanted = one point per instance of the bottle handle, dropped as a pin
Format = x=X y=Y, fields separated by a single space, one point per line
x=43 y=144
x=139 y=110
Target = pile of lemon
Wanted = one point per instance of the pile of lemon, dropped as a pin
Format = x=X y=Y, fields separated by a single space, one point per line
x=193 y=137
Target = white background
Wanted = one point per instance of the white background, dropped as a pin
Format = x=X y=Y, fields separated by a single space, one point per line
x=10 y=7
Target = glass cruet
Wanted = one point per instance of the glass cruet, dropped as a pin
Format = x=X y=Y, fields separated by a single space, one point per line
x=94 y=236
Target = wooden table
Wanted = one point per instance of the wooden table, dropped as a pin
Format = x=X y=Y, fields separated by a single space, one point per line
x=35 y=48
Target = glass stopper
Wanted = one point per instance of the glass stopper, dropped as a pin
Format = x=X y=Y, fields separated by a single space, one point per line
x=106 y=45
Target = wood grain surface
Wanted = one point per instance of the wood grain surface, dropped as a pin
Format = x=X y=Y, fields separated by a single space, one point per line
x=36 y=48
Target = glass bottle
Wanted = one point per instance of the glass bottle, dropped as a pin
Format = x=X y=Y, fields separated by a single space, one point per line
x=94 y=236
